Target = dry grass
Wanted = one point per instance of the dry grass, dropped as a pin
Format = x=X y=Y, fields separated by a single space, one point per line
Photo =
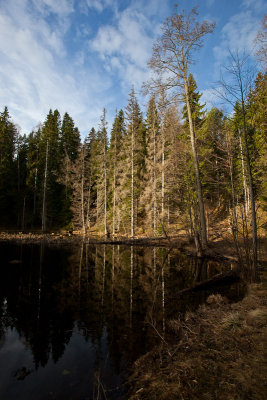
x=219 y=354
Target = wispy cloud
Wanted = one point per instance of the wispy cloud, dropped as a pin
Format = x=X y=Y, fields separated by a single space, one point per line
x=62 y=7
x=98 y=5
x=258 y=5
x=240 y=31
x=125 y=46
x=35 y=70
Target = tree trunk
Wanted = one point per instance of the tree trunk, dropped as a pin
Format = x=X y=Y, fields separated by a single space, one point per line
x=88 y=219
x=163 y=176
x=251 y=191
x=105 y=189
x=114 y=188
x=154 y=184
x=244 y=176
x=132 y=182
x=82 y=195
x=44 y=190
x=196 y=167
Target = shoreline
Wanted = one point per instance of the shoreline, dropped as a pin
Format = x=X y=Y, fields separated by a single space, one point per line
x=222 y=250
x=219 y=248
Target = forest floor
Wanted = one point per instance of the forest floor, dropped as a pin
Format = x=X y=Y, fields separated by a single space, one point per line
x=218 y=352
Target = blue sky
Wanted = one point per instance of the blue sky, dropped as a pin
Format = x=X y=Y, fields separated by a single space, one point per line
x=80 y=56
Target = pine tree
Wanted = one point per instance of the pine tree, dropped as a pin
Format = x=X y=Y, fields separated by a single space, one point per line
x=118 y=133
x=100 y=156
x=79 y=185
x=134 y=153
x=8 y=137
x=194 y=101
x=150 y=195
x=257 y=118
x=49 y=169
x=211 y=156
x=69 y=150
x=91 y=156
x=21 y=178
x=69 y=138
x=32 y=173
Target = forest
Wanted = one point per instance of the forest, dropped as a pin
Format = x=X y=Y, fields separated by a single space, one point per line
x=177 y=167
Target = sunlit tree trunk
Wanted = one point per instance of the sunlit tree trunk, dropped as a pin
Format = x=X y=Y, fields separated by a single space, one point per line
x=196 y=167
x=162 y=175
x=82 y=194
x=45 y=189
x=114 y=189
x=246 y=195
x=132 y=181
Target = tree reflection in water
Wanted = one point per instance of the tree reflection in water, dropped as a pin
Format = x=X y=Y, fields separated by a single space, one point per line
x=74 y=318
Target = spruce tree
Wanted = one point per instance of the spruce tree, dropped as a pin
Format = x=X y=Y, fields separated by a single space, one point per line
x=69 y=138
x=69 y=150
x=134 y=154
x=49 y=170
x=150 y=193
x=194 y=101
x=100 y=157
x=33 y=174
x=91 y=156
x=116 y=168
x=8 y=138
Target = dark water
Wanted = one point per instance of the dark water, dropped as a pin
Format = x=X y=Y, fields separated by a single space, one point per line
x=73 y=319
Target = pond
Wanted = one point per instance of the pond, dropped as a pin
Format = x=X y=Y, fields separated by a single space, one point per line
x=74 y=318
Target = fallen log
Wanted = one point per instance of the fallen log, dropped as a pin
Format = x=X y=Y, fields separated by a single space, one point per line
x=225 y=277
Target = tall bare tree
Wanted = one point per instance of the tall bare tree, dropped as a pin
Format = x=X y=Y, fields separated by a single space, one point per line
x=235 y=87
x=171 y=60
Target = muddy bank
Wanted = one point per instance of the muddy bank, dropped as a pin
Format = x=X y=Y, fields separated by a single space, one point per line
x=218 y=352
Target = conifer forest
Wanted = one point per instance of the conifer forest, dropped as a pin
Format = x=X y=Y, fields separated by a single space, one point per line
x=176 y=167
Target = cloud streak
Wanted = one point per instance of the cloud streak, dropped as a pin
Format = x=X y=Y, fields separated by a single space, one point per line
x=35 y=72
x=240 y=31
x=125 y=46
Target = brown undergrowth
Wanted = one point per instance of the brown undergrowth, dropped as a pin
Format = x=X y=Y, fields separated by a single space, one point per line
x=216 y=353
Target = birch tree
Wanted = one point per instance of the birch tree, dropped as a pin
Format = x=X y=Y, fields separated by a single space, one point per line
x=171 y=60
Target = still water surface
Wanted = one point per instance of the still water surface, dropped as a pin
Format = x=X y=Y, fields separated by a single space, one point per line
x=74 y=318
